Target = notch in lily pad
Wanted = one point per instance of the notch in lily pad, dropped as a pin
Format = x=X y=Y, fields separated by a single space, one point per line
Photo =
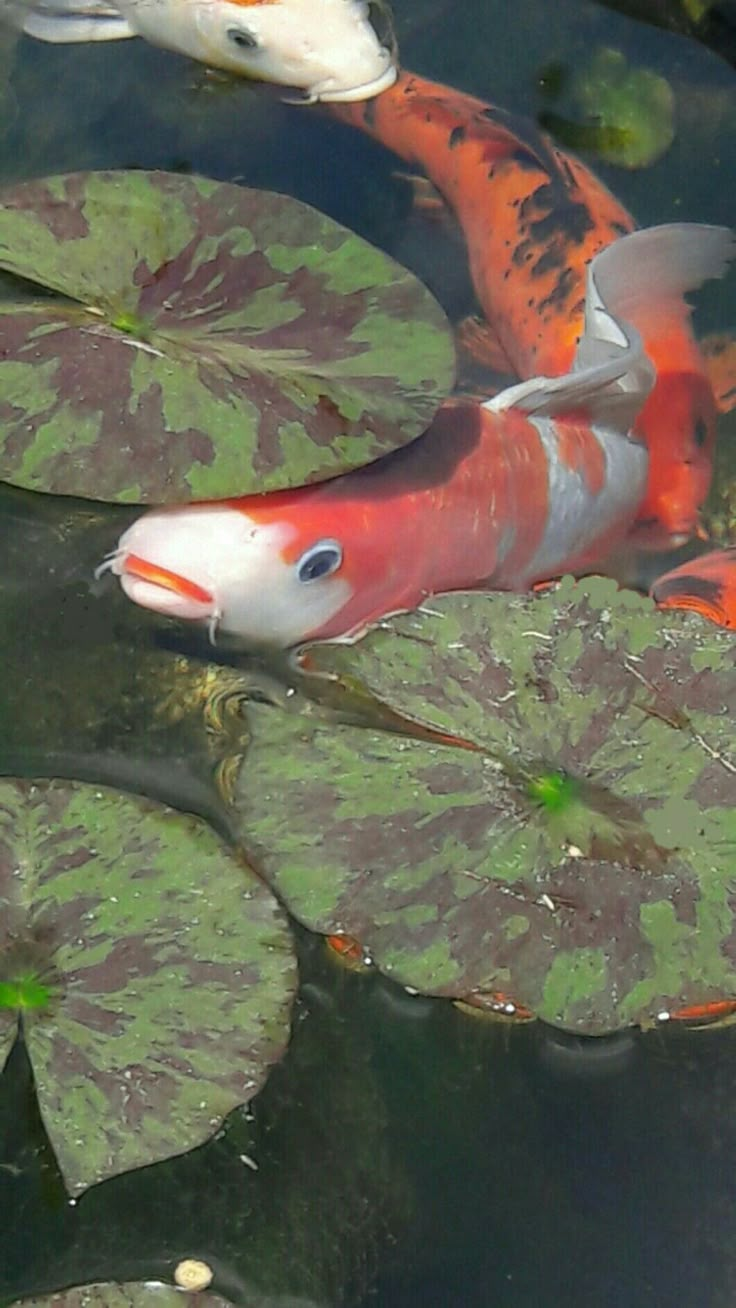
x=579 y=860
x=152 y=973
x=202 y=340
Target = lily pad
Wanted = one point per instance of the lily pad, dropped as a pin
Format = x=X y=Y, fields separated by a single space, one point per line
x=627 y=114
x=151 y=971
x=150 y=1294
x=578 y=857
x=212 y=341
x=124 y=1294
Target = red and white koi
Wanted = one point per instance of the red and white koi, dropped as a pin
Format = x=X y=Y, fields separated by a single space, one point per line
x=543 y=479
x=328 y=49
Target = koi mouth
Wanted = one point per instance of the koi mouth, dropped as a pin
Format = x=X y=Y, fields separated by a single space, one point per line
x=154 y=587
x=163 y=578
x=324 y=93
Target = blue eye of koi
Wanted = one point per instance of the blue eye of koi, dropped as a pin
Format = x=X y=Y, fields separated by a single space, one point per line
x=319 y=561
x=241 y=37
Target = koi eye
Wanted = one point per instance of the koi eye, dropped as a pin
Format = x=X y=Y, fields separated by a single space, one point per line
x=241 y=37
x=319 y=561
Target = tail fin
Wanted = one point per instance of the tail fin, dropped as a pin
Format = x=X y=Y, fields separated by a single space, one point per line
x=630 y=284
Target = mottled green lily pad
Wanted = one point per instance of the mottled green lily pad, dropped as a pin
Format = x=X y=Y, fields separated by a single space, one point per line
x=151 y=1294
x=626 y=114
x=580 y=859
x=152 y=972
x=125 y=1294
x=212 y=341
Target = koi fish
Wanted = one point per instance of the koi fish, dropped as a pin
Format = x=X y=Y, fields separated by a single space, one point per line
x=533 y=217
x=540 y=480
x=326 y=48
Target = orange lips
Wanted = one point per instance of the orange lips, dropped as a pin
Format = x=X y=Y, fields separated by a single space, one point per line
x=158 y=576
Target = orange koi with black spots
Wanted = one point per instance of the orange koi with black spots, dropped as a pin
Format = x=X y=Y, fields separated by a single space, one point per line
x=533 y=217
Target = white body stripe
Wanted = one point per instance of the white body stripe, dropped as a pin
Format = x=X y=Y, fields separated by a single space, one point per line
x=577 y=516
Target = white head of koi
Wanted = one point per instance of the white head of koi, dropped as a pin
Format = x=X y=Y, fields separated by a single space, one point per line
x=267 y=580
x=328 y=49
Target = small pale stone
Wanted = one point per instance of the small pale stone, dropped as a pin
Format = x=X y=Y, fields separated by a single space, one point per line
x=192 y=1274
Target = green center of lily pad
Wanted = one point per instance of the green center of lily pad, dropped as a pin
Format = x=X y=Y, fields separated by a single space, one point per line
x=25 y=992
x=553 y=791
x=132 y=325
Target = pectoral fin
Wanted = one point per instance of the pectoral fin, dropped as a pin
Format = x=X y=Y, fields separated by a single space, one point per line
x=637 y=281
x=611 y=392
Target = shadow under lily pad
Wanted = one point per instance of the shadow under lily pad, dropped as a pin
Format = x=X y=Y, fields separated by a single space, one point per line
x=580 y=859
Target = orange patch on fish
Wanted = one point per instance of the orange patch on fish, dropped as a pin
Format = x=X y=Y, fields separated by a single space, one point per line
x=349 y=951
x=718 y=1012
x=581 y=455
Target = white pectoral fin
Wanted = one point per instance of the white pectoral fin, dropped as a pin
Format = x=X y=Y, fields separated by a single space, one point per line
x=634 y=284
x=66 y=21
x=612 y=390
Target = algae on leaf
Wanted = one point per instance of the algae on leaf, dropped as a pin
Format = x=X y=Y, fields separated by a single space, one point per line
x=579 y=860
x=152 y=972
x=205 y=340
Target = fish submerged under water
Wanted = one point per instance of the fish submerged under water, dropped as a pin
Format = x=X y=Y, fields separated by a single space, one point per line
x=328 y=49
x=545 y=478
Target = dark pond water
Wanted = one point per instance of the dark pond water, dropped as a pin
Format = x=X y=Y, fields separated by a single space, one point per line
x=407 y=1153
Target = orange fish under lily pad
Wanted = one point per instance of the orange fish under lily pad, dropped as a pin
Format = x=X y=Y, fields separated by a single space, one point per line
x=706 y=585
